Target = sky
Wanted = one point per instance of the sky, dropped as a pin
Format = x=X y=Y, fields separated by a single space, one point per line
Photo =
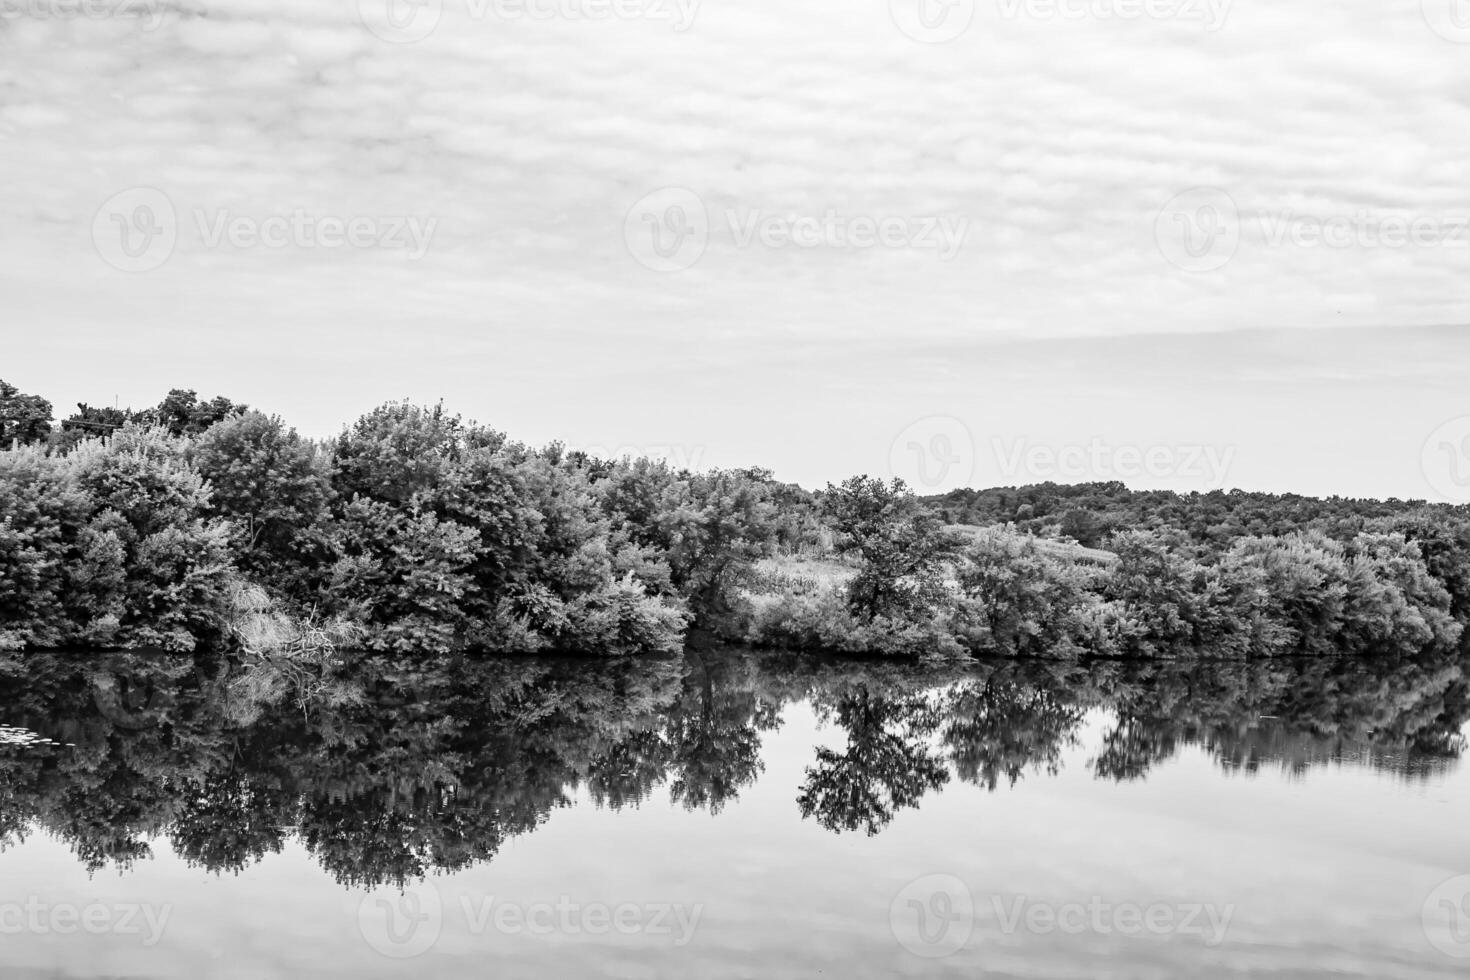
x=1193 y=244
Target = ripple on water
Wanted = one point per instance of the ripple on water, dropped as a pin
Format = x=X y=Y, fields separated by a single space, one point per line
x=23 y=737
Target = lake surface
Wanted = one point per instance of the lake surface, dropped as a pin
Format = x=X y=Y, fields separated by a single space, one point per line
x=732 y=814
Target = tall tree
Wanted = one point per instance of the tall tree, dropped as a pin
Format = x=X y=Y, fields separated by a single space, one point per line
x=24 y=418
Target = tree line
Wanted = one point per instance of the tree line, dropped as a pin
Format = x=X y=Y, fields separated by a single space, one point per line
x=199 y=524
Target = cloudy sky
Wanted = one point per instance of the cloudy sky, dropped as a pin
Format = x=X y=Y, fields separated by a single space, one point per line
x=1184 y=243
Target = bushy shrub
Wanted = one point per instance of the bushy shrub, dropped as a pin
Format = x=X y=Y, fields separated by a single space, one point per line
x=112 y=546
x=1015 y=600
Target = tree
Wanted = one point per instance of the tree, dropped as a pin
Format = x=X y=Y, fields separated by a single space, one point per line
x=273 y=486
x=1017 y=601
x=24 y=419
x=901 y=547
x=183 y=414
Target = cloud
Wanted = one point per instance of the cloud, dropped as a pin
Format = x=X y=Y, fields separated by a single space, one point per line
x=1057 y=139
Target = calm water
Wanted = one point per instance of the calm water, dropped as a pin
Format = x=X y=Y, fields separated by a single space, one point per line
x=730 y=814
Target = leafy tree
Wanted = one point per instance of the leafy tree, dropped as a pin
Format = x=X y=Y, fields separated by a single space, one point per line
x=900 y=546
x=274 y=487
x=183 y=414
x=888 y=764
x=1017 y=601
x=24 y=419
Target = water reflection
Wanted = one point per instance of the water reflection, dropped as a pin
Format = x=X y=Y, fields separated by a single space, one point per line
x=395 y=769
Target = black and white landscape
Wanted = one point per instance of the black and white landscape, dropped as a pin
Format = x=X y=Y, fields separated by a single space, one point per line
x=675 y=488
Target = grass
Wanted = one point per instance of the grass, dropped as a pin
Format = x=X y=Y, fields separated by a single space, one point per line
x=800 y=574
x=809 y=575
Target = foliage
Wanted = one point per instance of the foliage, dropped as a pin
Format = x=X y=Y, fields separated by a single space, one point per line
x=113 y=546
x=1017 y=601
x=24 y=419
x=900 y=548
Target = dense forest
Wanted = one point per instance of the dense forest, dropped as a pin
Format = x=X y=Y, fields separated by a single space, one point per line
x=202 y=524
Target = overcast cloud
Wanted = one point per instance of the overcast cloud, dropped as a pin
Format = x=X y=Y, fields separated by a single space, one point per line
x=800 y=234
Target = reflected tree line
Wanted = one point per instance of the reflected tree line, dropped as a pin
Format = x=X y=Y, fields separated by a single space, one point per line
x=397 y=769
